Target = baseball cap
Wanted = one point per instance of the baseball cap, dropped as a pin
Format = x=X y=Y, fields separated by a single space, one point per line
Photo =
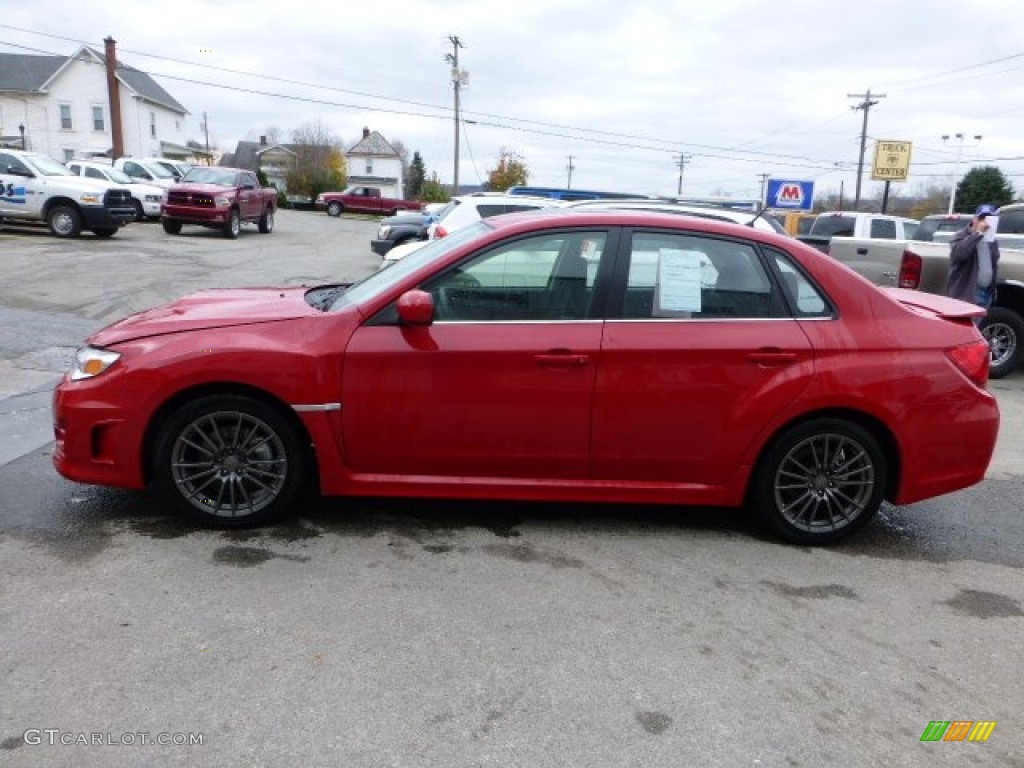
x=986 y=210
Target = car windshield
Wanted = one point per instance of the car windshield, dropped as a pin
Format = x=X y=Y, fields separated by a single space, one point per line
x=828 y=226
x=46 y=166
x=216 y=176
x=384 y=279
x=119 y=177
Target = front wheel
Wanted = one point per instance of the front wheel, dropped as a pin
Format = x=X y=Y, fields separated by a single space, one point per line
x=266 y=223
x=820 y=482
x=140 y=213
x=1003 y=329
x=229 y=460
x=172 y=227
x=334 y=208
x=64 y=221
x=233 y=226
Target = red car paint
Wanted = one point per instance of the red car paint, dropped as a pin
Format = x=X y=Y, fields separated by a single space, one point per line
x=601 y=409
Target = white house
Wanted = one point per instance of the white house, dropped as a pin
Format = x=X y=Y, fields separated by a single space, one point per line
x=60 y=107
x=373 y=162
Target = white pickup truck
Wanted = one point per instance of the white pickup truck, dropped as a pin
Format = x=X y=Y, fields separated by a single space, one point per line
x=37 y=188
x=880 y=226
x=925 y=266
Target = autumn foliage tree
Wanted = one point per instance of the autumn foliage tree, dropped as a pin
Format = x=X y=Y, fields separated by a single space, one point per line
x=319 y=161
x=511 y=172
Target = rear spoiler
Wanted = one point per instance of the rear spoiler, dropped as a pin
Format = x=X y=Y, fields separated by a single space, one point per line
x=943 y=306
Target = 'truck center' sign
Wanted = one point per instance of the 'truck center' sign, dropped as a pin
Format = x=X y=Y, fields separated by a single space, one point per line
x=892 y=160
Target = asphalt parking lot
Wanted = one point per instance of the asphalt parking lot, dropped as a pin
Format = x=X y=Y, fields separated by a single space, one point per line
x=398 y=633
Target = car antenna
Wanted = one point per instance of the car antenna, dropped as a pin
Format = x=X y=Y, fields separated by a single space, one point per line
x=757 y=215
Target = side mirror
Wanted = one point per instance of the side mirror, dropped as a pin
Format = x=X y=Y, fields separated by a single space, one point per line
x=416 y=308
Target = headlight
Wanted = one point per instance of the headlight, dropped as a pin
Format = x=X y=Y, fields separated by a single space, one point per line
x=91 y=361
x=91 y=197
x=319 y=198
x=222 y=201
x=154 y=198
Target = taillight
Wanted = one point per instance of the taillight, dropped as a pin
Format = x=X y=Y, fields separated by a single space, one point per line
x=973 y=360
x=910 y=270
x=440 y=231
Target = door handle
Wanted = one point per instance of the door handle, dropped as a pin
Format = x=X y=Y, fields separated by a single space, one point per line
x=562 y=360
x=771 y=357
x=862 y=251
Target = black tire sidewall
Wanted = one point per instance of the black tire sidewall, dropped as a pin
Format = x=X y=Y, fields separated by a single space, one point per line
x=273 y=418
x=1010 y=318
x=762 y=495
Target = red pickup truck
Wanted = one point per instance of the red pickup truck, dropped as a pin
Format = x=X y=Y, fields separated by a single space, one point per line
x=363 y=200
x=221 y=198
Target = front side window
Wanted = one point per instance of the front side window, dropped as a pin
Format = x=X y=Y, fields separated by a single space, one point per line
x=97 y=119
x=11 y=164
x=65 y=117
x=544 y=277
x=691 y=276
x=93 y=173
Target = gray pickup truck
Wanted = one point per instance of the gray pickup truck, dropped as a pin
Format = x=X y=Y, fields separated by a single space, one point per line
x=924 y=266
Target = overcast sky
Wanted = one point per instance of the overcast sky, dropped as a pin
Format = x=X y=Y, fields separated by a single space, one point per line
x=742 y=88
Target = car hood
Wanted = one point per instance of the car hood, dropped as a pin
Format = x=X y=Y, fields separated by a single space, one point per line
x=209 y=309
x=207 y=189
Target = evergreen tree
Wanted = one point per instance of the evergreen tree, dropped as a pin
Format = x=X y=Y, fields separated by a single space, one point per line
x=983 y=185
x=416 y=177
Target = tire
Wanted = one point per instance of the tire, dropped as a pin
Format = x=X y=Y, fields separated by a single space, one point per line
x=334 y=208
x=64 y=221
x=820 y=482
x=172 y=227
x=140 y=214
x=266 y=223
x=229 y=460
x=104 y=232
x=233 y=226
x=1004 y=330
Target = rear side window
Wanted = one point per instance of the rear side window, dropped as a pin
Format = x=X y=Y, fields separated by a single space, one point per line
x=802 y=295
x=1011 y=222
x=883 y=228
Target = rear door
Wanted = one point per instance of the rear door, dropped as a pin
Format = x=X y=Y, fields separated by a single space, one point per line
x=700 y=353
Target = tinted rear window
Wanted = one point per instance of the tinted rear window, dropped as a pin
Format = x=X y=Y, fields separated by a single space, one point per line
x=830 y=226
x=929 y=227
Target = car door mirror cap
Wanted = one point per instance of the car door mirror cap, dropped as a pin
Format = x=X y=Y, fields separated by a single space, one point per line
x=416 y=308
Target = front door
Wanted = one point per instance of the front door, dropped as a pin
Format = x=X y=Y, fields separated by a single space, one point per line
x=500 y=385
x=21 y=194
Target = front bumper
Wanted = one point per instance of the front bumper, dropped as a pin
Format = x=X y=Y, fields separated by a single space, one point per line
x=101 y=217
x=190 y=215
x=380 y=247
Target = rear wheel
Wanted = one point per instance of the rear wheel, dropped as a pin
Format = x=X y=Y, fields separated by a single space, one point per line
x=233 y=226
x=266 y=224
x=334 y=208
x=229 y=460
x=64 y=221
x=820 y=482
x=172 y=227
x=1003 y=329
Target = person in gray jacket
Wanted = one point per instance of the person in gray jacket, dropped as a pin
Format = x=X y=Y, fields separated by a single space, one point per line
x=974 y=261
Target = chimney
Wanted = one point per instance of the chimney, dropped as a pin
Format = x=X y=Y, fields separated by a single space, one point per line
x=114 y=96
x=366 y=133
x=263 y=141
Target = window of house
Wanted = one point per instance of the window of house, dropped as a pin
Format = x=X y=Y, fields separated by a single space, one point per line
x=65 y=117
x=369 y=165
x=152 y=124
x=97 y=119
x=177 y=125
x=69 y=154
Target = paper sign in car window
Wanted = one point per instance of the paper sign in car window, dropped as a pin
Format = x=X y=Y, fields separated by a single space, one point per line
x=679 y=282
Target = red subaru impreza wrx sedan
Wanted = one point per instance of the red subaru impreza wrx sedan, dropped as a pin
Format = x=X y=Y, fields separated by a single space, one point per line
x=597 y=356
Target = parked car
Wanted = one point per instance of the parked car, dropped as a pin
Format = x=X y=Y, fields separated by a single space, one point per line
x=220 y=198
x=145 y=170
x=178 y=168
x=762 y=222
x=468 y=209
x=36 y=188
x=363 y=200
x=400 y=229
x=879 y=226
x=147 y=199
x=941 y=227
x=524 y=357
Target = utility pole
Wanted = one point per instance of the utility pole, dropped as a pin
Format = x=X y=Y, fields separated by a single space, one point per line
x=865 y=105
x=682 y=160
x=568 y=184
x=764 y=180
x=453 y=57
x=206 y=130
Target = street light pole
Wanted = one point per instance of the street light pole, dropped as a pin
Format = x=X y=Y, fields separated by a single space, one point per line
x=956 y=174
x=21 y=129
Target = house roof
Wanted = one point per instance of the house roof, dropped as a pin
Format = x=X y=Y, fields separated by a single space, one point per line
x=373 y=144
x=28 y=72
x=246 y=154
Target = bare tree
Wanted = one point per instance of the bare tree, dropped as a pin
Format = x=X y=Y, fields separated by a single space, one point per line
x=319 y=161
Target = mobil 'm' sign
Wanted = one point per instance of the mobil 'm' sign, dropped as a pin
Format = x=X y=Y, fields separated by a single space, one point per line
x=795 y=195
